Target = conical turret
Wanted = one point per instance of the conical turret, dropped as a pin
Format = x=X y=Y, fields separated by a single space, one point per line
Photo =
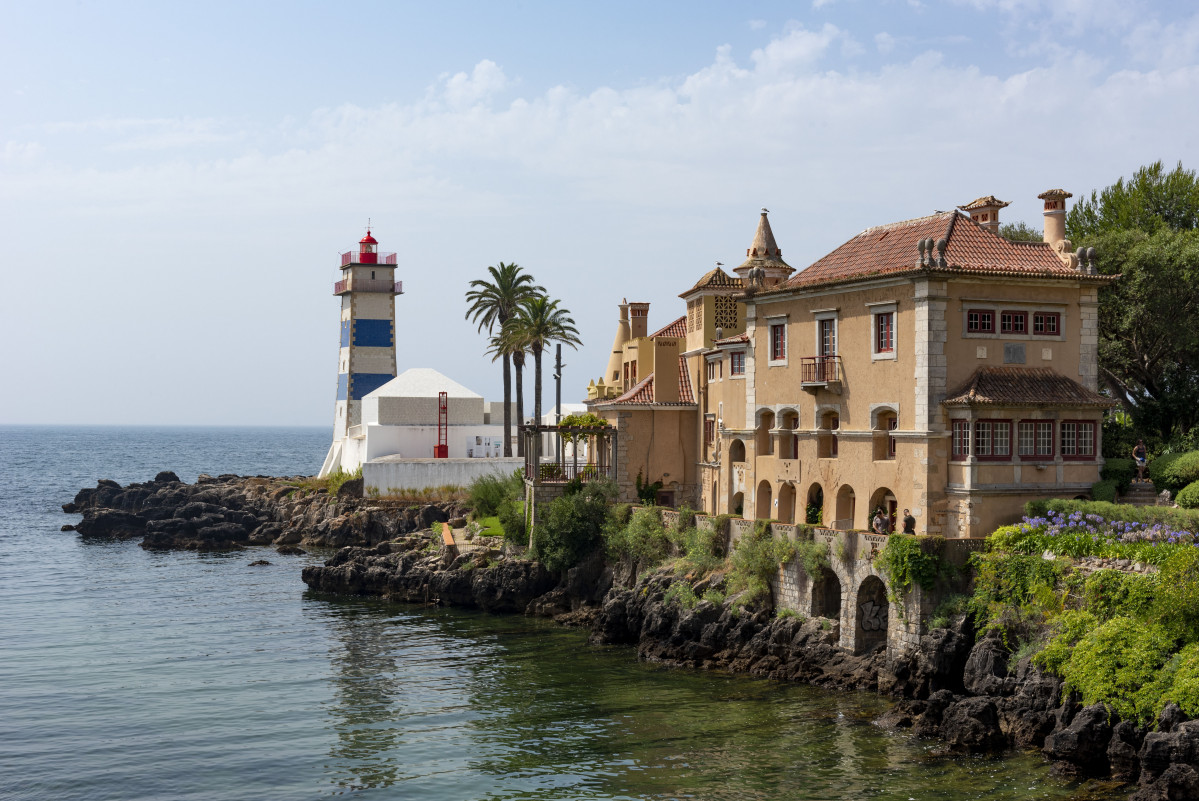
x=764 y=253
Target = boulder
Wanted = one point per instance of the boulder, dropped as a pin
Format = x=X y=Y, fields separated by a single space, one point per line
x=986 y=668
x=972 y=725
x=1083 y=744
x=166 y=477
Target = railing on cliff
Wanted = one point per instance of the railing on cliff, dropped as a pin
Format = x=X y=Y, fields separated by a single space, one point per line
x=601 y=459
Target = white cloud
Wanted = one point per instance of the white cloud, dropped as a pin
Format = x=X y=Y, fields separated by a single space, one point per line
x=485 y=80
x=757 y=24
x=884 y=42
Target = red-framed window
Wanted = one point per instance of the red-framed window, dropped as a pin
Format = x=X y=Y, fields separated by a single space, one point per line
x=1034 y=439
x=737 y=362
x=961 y=439
x=778 y=341
x=884 y=332
x=993 y=439
x=709 y=431
x=1013 y=322
x=1046 y=324
x=1077 y=439
x=980 y=321
x=892 y=424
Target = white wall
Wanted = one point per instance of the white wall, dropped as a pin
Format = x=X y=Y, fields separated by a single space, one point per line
x=390 y=477
x=416 y=442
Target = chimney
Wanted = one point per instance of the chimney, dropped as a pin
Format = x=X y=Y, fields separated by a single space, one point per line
x=612 y=375
x=1055 y=214
x=639 y=319
x=985 y=211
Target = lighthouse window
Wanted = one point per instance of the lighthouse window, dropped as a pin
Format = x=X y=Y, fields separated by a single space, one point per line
x=372 y=275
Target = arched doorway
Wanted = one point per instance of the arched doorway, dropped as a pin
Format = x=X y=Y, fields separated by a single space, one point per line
x=763 y=436
x=787 y=503
x=884 y=499
x=736 y=451
x=846 y=502
x=737 y=504
x=763 y=499
x=814 y=512
x=870 y=616
x=826 y=595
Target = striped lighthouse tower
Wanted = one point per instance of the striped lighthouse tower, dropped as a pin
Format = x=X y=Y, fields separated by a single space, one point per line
x=367 y=357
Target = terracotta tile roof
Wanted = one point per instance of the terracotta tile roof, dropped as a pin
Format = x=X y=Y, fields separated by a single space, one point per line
x=970 y=250
x=715 y=278
x=1023 y=386
x=742 y=337
x=676 y=329
x=1054 y=194
x=764 y=252
x=642 y=393
x=686 y=395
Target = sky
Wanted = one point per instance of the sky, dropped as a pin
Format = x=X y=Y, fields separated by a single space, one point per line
x=177 y=179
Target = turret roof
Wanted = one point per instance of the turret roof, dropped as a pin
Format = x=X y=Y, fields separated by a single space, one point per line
x=715 y=278
x=764 y=252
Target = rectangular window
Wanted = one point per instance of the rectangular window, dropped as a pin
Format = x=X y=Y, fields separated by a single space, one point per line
x=1013 y=322
x=778 y=341
x=1078 y=439
x=709 y=431
x=979 y=321
x=828 y=337
x=1035 y=439
x=982 y=439
x=891 y=426
x=737 y=362
x=711 y=371
x=1001 y=439
x=884 y=332
x=1046 y=324
x=961 y=439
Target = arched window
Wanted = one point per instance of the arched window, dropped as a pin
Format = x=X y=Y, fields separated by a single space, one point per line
x=763 y=436
x=885 y=422
x=788 y=439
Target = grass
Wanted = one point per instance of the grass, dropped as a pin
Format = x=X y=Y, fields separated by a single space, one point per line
x=490 y=526
x=330 y=483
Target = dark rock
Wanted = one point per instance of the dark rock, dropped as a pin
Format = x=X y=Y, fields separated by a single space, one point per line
x=166 y=476
x=1175 y=783
x=111 y=523
x=259 y=563
x=66 y=527
x=290 y=550
x=350 y=489
x=1122 y=751
x=1170 y=718
x=457 y=522
x=903 y=715
x=972 y=724
x=429 y=515
x=986 y=668
x=1083 y=744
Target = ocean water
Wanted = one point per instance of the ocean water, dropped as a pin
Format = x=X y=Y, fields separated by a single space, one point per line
x=132 y=675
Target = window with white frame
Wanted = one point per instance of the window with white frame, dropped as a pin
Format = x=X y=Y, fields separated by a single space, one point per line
x=1035 y=439
x=1077 y=439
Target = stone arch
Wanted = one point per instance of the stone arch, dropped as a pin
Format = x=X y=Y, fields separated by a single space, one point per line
x=871 y=615
x=826 y=594
x=786 y=513
x=846 y=508
x=884 y=499
x=884 y=421
x=763 y=436
x=763 y=498
x=878 y=412
x=736 y=451
x=737 y=504
x=788 y=440
x=815 y=502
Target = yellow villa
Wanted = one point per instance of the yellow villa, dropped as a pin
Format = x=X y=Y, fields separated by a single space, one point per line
x=928 y=364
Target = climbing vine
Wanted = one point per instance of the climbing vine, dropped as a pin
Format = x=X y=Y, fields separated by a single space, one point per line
x=909 y=560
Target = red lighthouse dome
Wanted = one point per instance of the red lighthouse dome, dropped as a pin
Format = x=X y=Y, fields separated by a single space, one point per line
x=368 y=249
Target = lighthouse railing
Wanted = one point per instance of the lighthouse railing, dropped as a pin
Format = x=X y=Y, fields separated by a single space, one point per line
x=368 y=285
x=354 y=257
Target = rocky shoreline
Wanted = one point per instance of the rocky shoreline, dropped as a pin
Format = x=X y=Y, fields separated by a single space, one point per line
x=967 y=691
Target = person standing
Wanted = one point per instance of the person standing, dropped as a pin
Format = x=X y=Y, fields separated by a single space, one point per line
x=1140 y=455
x=880 y=522
x=909 y=522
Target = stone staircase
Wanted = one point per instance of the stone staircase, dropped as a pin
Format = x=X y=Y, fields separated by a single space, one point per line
x=1140 y=493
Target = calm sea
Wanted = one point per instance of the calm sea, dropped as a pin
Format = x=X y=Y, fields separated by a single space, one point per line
x=133 y=675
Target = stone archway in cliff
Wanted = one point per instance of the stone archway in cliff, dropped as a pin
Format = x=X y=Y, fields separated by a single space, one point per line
x=826 y=595
x=814 y=511
x=871 y=615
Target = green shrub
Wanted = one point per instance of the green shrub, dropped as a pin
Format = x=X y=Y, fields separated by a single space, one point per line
x=572 y=526
x=785 y=614
x=701 y=549
x=1177 y=594
x=647 y=493
x=1013 y=592
x=1174 y=471
x=909 y=560
x=486 y=493
x=642 y=539
x=1116 y=663
x=1179 y=681
x=1121 y=471
x=1104 y=491
x=813 y=555
x=1168 y=516
x=511 y=515
x=681 y=594
x=715 y=596
x=1109 y=593
x=947 y=610
x=1188 y=496
x=755 y=562
x=1067 y=629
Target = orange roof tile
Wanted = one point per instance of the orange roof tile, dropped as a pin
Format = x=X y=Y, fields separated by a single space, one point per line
x=676 y=329
x=970 y=250
x=990 y=201
x=1023 y=386
x=742 y=337
x=715 y=278
x=686 y=395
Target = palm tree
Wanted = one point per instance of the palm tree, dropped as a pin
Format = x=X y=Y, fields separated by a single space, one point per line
x=503 y=346
x=537 y=322
x=491 y=304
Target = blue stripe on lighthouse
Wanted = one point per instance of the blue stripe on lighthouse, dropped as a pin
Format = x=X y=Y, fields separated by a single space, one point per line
x=343 y=385
x=364 y=383
x=372 y=333
x=345 y=333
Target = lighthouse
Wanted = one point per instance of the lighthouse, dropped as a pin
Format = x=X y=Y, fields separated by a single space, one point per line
x=366 y=359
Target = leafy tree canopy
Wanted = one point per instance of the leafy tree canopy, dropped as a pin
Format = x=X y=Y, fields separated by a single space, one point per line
x=1151 y=200
x=1020 y=232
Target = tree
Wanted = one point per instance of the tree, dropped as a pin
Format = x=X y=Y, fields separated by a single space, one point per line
x=491 y=304
x=1020 y=232
x=538 y=322
x=1145 y=230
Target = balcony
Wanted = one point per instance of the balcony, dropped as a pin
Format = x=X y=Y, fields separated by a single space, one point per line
x=368 y=285
x=817 y=372
x=354 y=257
